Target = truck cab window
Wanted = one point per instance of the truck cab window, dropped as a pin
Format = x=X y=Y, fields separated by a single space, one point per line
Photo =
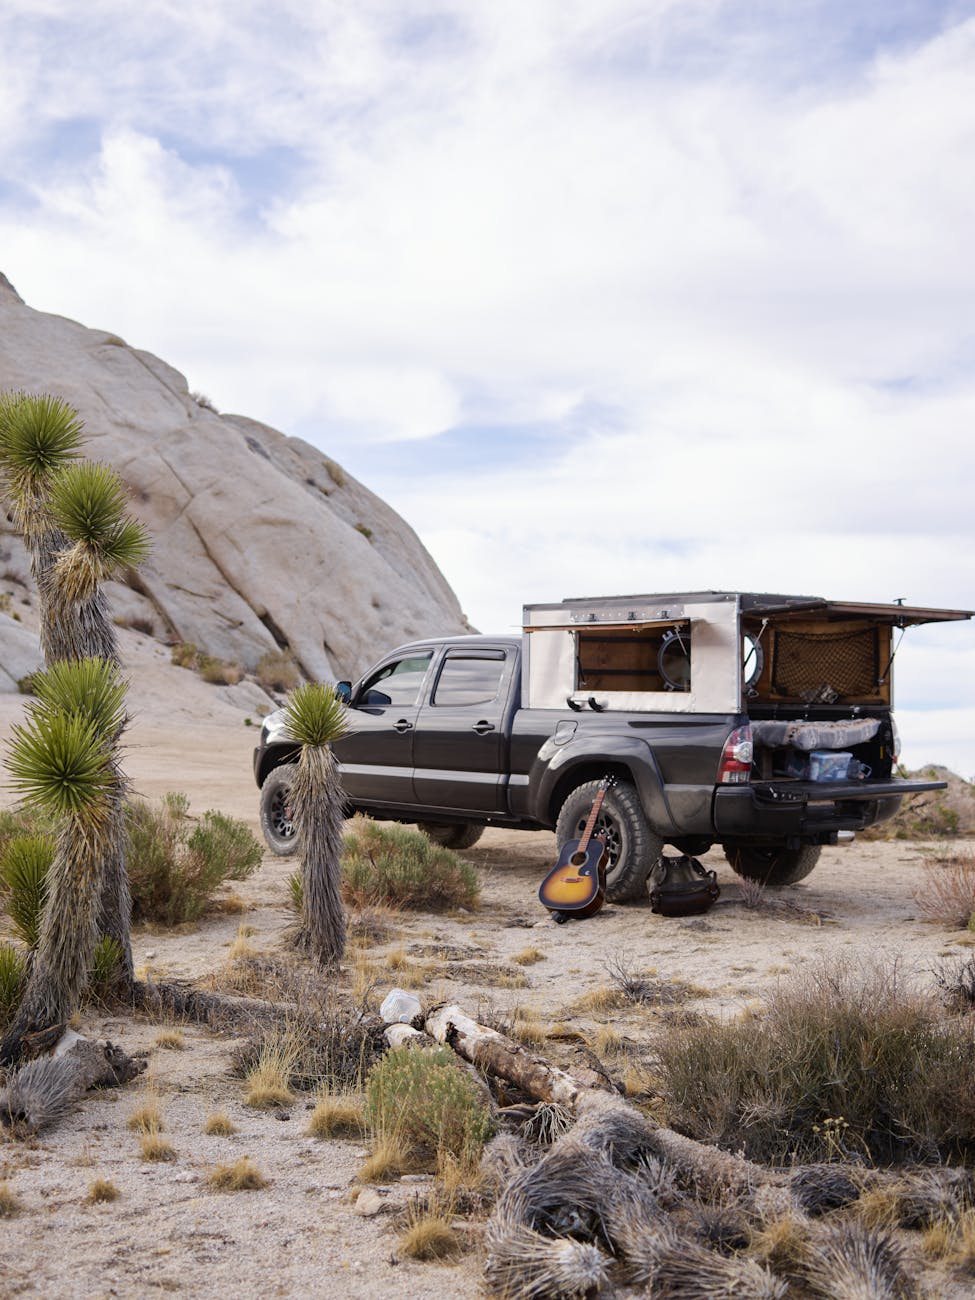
x=397 y=683
x=470 y=678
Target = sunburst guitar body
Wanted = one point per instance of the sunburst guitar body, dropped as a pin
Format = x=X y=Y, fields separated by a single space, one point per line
x=576 y=885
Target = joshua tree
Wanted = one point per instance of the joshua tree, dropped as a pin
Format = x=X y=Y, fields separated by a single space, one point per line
x=62 y=764
x=316 y=717
x=72 y=517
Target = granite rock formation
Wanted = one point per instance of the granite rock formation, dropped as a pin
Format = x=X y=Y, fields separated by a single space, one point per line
x=259 y=540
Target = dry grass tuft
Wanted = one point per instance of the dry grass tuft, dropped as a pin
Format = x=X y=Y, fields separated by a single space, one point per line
x=880 y=1207
x=101 y=1190
x=241 y=948
x=637 y=1080
x=946 y=891
x=154 y=1147
x=952 y=1241
x=608 y=1041
x=429 y=1235
x=268 y=1082
x=9 y=1201
x=528 y=956
x=783 y=1244
x=148 y=1117
x=528 y=1030
x=606 y=997
x=219 y=1124
x=337 y=1117
x=241 y=1176
x=510 y=979
x=389 y=1158
x=172 y=1040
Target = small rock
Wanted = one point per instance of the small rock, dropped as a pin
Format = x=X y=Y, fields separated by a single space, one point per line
x=368 y=1203
x=150 y=956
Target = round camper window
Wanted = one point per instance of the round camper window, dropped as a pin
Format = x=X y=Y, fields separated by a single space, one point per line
x=674 y=660
x=752 y=660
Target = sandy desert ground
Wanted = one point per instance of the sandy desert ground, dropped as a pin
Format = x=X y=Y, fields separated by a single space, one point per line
x=168 y=1232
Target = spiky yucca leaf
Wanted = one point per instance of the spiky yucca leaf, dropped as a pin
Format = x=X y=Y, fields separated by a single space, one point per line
x=13 y=968
x=24 y=870
x=38 y=435
x=90 y=688
x=315 y=715
x=88 y=502
x=60 y=764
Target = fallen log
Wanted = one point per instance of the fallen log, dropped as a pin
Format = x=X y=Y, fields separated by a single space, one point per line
x=44 y=1090
x=496 y=1054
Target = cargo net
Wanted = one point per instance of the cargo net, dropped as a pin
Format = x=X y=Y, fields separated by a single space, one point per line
x=820 y=667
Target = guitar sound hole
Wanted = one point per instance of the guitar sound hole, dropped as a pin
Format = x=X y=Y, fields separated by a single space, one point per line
x=578 y=859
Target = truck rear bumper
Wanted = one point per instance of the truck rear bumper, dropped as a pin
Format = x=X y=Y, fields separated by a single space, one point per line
x=807 y=810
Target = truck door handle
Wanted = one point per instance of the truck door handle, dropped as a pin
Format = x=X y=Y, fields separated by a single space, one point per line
x=402 y=726
x=482 y=727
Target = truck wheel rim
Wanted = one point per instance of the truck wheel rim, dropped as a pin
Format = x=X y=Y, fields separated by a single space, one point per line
x=280 y=816
x=608 y=829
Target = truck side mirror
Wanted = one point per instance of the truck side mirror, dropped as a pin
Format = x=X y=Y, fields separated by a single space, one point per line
x=344 y=691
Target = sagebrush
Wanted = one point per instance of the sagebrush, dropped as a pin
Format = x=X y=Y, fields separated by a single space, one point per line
x=945 y=891
x=403 y=868
x=848 y=1062
x=427 y=1100
x=175 y=865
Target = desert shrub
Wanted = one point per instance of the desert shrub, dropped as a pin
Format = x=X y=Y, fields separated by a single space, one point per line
x=403 y=868
x=277 y=671
x=335 y=472
x=13 y=968
x=335 y=1044
x=946 y=889
x=365 y=530
x=174 y=870
x=24 y=866
x=427 y=1099
x=184 y=654
x=846 y=1062
x=25 y=684
x=217 y=672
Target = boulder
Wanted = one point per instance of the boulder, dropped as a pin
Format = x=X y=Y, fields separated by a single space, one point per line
x=260 y=541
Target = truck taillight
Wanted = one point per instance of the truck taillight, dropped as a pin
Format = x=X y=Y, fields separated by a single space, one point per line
x=895 y=742
x=736 y=757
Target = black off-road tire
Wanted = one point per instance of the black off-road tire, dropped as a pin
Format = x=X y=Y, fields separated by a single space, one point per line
x=453 y=835
x=279 y=830
x=770 y=865
x=632 y=845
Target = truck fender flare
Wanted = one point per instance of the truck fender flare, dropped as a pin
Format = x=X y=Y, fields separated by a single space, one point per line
x=634 y=755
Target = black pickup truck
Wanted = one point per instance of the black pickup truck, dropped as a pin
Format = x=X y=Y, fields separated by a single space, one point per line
x=761 y=723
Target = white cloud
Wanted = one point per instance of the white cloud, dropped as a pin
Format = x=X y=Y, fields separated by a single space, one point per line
x=731 y=308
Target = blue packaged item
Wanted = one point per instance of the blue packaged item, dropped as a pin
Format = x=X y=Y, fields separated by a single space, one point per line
x=829 y=765
x=819 y=765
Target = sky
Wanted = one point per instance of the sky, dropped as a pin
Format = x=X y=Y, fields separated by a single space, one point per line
x=601 y=296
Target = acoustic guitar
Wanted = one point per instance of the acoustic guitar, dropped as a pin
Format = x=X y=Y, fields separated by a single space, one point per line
x=576 y=885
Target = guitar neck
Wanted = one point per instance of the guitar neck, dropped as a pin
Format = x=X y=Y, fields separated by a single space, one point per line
x=591 y=821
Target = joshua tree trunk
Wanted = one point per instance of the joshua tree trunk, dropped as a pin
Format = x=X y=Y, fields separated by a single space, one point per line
x=316 y=800
x=81 y=629
x=69 y=932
